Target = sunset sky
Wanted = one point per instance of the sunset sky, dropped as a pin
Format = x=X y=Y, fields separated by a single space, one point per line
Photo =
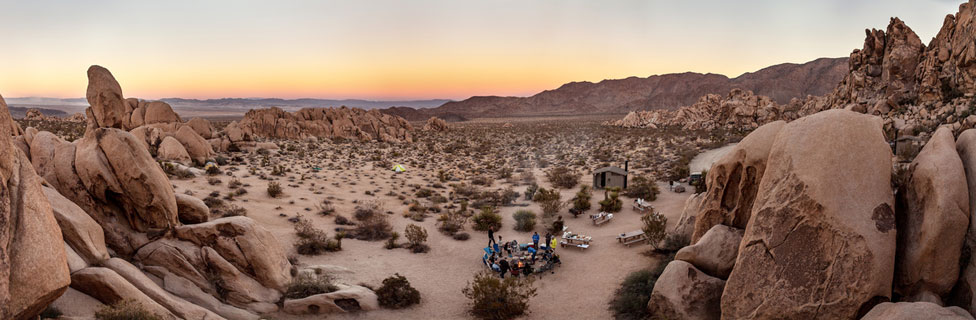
x=417 y=49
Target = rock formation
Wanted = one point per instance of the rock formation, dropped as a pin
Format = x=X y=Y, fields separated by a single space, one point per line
x=30 y=239
x=932 y=216
x=327 y=123
x=734 y=180
x=812 y=248
x=683 y=292
x=435 y=124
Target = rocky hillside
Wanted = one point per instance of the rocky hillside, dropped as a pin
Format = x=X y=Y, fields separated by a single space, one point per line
x=781 y=82
x=914 y=87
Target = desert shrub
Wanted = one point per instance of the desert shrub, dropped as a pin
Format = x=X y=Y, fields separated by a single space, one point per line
x=213 y=170
x=278 y=170
x=397 y=293
x=229 y=211
x=416 y=235
x=424 y=193
x=581 y=202
x=326 y=208
x=530 y=191
x=375 y=227
x=125 y=310
x=366 y=209
x=563 y=177
x=557 y=226
x=221 y=160
x=482 y=181
x=274 y=189
x=642 y=187
x=494 y=298
x=342 y=221
x=51 y=312
x=487 y=218
x=391 y=243
x=213 y=202
x=462 y=236
x=611 y=201
x=549 y=200
x=524 y=220
x=630 y=300
x=314 y=241
x=305 y=285
x=653 y=224
x=451 y=222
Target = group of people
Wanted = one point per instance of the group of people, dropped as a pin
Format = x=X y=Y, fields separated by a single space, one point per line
x=501 y=256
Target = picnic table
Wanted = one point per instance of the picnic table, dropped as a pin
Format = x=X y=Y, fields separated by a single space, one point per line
x=601 y=218
x=632 y=237
x=640 y=205
x=575 y=240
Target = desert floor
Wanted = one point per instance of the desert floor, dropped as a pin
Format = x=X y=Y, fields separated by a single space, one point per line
x=580 y=289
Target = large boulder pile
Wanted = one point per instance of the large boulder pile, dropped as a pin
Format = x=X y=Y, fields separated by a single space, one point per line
x=107 y=221
x=33 y=262
x=327 y=123
x=151 y=122
x=823 y=235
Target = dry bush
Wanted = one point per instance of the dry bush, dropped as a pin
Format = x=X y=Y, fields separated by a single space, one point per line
x=375 y=227
x=642 y=187
x=524 y=220
x=314 y=241
x=305 y=285
x=397 y=293
x=274 y=189
x=563 y=177
x=416 y=235
x=611 y=201
x=451 y=222
x=125 y=310
x=494 y=298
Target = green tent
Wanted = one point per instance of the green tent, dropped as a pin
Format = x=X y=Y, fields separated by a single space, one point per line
x=398 y=168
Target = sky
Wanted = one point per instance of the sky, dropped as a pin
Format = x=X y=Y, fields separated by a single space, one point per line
x=423 y=49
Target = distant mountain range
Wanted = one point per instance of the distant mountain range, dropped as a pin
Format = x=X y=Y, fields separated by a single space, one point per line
x=237 y=105
x=781 y=82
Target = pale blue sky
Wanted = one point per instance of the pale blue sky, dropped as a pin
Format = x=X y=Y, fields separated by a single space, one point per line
x=418 y=49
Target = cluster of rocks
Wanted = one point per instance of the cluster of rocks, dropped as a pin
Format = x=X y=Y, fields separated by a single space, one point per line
x=914 y=87
x=436 y=124
x=813 y=219
x=98 y=216
x=34 y=114
x=325 y=123
x=154 y=124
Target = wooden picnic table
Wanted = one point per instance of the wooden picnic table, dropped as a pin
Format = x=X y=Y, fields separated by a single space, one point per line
x=632 y=237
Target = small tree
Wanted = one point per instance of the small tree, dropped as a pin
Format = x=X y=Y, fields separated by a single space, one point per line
x=494 y=298
x=642 y=187
x=654 y=226
x=611 y=201
x=581 y=202
x=524 y=220
x=397 y=293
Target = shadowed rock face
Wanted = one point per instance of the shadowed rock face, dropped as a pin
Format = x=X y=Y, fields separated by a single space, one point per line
x=933 y=215
x=331 y=123
x=820 y=242
x=733 y=181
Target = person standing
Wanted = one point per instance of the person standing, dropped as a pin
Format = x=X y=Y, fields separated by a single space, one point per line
x=552 y=244
x=548 y=240
x=535 y=239
x=491 y=235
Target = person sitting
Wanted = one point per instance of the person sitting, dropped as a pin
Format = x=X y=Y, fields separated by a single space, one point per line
x=532 y=251
x=503 y=268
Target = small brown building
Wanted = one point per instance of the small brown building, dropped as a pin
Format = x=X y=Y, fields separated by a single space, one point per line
x=609 y=177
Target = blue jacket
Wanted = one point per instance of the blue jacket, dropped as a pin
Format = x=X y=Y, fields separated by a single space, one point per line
x=535 y=237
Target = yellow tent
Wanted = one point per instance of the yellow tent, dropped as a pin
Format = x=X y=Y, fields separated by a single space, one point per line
x=398 y=168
